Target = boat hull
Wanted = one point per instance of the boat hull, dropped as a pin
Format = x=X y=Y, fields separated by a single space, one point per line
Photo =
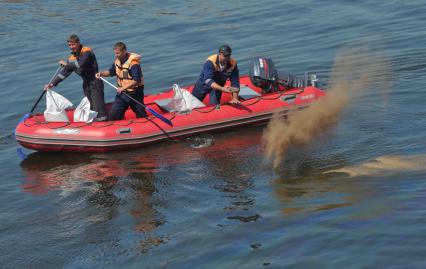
x=36 y=134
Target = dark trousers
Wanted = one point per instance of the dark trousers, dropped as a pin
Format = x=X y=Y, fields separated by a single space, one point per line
x=201 y=91
x=122 y=102
x=94 y=91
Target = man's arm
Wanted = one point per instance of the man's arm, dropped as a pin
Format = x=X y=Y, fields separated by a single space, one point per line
x=235 y=84
x=63 y=74
x=208 y=70
x=106 y=73
x=235 y=78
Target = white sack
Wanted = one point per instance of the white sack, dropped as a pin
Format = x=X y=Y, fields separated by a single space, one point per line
x=183 y=100
x=55 y=107
x=83 y=113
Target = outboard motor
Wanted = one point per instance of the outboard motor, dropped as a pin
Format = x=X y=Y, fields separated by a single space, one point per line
x=263 y=74
x=290 y=81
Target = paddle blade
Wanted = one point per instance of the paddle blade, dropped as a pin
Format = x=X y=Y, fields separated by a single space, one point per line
x=24 y=118
x=153 y=112
x=21 y=154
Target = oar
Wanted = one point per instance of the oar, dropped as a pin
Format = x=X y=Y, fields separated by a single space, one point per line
x=153 y=112
x=41 y=96
x=19 y=150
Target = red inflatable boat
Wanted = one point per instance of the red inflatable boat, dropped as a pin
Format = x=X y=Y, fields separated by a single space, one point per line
x=256 y=107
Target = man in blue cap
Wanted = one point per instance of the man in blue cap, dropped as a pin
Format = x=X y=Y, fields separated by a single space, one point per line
x=216 y=71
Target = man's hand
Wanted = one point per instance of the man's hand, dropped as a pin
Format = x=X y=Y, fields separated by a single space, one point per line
x=62 y=63
x=230 y=89
x=233 y=90
x=120 y=89
x=104 y=73
x=235 y=101
x=48 y=86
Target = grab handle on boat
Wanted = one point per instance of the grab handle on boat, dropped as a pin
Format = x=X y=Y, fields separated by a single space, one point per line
x=289 y=98
x=124 y=130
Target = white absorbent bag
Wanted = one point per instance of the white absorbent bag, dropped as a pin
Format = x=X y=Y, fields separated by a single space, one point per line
x=183 y=100
x=55 y=107
x=83 y=113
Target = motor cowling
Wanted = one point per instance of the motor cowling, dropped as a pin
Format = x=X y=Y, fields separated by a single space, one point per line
x=290 y=81
x=263 y=73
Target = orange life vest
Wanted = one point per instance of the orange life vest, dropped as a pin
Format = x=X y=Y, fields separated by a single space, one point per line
x=124 y=77
x=231 y=66
x=73 y=58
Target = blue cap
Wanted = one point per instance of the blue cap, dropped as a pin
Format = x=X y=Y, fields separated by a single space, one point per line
x=225 y=49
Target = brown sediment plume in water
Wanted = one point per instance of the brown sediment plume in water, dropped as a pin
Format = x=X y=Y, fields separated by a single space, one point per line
x=354 y=71
x=383 y=164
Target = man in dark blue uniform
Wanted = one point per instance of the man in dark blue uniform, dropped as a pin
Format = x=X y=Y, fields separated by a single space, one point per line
x=216 y=71
x=83 y=62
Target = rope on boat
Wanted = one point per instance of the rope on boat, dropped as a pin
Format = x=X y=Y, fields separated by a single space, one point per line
x=144 y=120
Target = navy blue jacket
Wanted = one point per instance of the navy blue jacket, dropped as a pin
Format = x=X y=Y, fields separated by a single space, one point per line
x=83 y=63
x=211 y=73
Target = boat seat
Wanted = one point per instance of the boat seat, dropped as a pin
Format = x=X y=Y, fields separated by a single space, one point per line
x=247 y=93
x=163 y=104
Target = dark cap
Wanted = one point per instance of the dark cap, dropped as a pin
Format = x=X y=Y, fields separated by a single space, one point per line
x=225 y=49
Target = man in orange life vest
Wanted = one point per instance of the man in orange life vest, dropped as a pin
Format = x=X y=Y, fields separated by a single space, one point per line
x=216 y=71
x=83 y=62
x=129 y=80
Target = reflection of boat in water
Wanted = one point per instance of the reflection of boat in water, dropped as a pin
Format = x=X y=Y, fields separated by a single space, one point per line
x=99 y=188
x=49 y=171
x=45 y=172
x=140 y=188
x=261 y=95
